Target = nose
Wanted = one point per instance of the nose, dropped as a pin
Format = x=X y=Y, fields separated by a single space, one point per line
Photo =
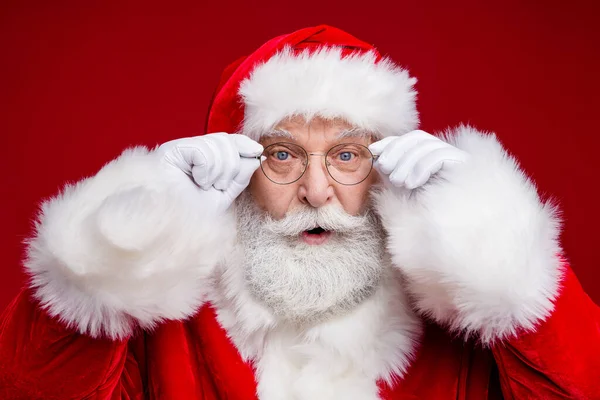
x=316 y=185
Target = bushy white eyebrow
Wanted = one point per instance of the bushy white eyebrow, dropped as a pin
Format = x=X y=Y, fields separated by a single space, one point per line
x=345 y=133
x=278 y=133
x=354 y=132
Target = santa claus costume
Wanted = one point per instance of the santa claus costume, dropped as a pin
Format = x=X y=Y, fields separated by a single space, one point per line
x=137 y=293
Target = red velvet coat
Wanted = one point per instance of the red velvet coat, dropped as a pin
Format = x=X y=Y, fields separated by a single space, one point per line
x=41 y=359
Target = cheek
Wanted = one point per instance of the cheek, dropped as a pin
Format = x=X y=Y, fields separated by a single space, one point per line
x=355 y=199
x=270 y=197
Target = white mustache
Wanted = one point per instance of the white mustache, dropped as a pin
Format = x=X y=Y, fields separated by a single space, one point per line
x=331 y=218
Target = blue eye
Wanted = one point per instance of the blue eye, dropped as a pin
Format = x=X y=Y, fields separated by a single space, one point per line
x=282 y=155
x=346 y=156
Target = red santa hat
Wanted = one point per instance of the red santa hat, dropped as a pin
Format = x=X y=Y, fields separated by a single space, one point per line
x=314 y=72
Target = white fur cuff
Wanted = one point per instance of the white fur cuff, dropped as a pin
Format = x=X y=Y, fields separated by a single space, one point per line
x=478 y=246
x=126 y=247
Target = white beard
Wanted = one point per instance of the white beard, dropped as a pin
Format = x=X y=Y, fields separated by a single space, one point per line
x=304 y=284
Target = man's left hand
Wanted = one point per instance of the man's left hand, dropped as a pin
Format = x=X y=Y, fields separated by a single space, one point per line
x=411 y=159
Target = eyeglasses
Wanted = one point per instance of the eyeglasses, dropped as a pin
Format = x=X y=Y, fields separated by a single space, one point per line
x=347 y=163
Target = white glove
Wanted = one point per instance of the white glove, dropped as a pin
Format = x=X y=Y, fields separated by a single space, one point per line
x=220 y=164
x=411 y=159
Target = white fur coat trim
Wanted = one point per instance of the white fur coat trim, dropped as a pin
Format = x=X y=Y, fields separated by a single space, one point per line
x=375 y=96
x=342 y=358
x=478 y=246
x=127 y=247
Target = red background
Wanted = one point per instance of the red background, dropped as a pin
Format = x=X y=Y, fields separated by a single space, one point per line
x=80 y=82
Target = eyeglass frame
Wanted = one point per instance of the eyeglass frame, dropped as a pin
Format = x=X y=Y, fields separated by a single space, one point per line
x=308 y=155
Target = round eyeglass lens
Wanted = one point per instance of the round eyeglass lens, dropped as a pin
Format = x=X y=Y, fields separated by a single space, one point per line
x=349 y=163
x=284 y=163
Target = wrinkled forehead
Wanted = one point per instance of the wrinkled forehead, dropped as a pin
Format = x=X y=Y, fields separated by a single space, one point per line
x=301 y=129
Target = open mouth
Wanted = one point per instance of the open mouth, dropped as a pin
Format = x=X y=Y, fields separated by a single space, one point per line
x=315 y=236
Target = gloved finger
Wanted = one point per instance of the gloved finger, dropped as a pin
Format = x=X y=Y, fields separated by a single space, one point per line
x=247 y=168
x=377 y=147
x=201 y=159
x=230 y=162
x=389 y=160
x=408 y=160
x=247 y=147
x=432 y=163
x=221 y=157
x=195 y=150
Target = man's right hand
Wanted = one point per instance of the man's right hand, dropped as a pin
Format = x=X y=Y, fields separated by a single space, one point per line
x=220 y=164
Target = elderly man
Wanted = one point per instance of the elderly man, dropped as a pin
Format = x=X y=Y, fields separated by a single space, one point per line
x=318 y=247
